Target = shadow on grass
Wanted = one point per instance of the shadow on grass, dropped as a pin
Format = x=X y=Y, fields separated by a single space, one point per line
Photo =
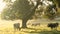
x=29 y=28
x=41 y=32
x=46 y=32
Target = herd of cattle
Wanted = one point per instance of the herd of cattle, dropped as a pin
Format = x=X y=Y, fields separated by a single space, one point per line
x=51 y=25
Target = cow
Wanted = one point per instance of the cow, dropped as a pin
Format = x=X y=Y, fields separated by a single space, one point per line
x=35 y=24
x=16 y=26
x=53 y=25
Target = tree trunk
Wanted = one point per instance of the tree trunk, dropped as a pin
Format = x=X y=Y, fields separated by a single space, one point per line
x=26 y=18
x=24 y=21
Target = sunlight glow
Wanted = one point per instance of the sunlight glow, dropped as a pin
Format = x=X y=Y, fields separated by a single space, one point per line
x=2 y=5
x=47 y=3
x=13 y=0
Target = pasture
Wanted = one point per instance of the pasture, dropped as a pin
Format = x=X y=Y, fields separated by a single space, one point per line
x=42 y=29
x=31 y=30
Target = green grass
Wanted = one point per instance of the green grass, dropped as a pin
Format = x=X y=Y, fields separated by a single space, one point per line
x=31 y=30
x=42 y=29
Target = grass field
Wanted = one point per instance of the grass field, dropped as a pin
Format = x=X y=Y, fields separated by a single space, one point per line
x=30 y=30
x=6 y=27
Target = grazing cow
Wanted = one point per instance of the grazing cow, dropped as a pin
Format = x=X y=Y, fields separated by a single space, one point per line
x=35 y=24
x=16 y=26
x=53 y=25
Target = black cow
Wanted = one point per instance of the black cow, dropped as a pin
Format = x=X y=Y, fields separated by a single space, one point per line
x=53 y=25
x=16 y=26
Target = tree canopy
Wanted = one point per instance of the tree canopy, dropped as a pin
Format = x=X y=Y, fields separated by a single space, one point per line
x=18 y=10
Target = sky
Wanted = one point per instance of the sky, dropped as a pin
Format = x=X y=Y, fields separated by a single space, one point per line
x=2 y=5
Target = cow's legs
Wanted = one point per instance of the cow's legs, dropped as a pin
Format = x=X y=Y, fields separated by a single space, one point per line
x=19 y=29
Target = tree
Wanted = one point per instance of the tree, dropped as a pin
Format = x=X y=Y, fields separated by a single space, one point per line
x=51 y=11
x=20 y=10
